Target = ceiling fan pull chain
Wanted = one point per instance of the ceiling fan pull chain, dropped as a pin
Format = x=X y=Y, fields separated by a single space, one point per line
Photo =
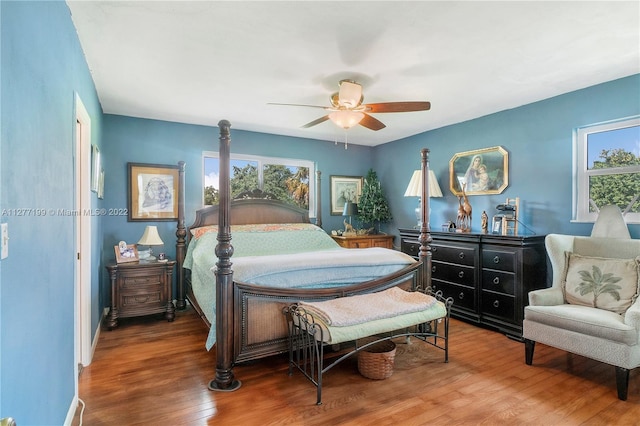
x=346 y=139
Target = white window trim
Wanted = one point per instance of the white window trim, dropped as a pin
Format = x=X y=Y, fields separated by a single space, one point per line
x=271 y=160
x=581 y=174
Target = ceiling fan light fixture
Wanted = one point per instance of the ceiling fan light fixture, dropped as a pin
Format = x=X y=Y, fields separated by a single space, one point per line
x=346 y=118
x=350 y=95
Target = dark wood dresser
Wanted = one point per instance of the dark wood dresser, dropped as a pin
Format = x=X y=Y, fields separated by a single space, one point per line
x=140 y=288
x=488 y=276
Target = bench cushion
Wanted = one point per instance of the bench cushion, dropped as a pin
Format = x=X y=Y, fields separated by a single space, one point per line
x=333 y=335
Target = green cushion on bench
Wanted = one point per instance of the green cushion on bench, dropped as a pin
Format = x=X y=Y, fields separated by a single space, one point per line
x=333 y=335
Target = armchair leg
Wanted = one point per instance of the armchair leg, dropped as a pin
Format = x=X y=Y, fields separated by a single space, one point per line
x=622 y=382
x=529 y=346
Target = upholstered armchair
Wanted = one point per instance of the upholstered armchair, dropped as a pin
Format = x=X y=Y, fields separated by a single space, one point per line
x=592 y=308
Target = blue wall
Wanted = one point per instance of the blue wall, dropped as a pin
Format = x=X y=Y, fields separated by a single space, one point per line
x=539 y=140
x=42 y=67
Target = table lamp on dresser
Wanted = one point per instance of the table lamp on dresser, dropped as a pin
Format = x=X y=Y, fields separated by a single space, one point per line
x=415 y=190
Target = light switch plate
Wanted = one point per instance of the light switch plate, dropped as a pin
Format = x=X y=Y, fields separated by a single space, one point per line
x=4 y=235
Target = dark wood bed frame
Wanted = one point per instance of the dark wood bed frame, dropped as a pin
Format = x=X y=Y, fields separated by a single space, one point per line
x=249 y=319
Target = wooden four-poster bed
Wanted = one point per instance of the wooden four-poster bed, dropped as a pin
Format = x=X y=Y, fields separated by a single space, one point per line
x=245 y=317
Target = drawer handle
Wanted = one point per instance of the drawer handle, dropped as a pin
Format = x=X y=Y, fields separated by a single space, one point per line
x=461 y=255
x=434 y=249
x=496 y=259
x=433 y=268
x=496 y=304
x=496 y=280
x=138 y=299
x=461 y=274
x=461 y=296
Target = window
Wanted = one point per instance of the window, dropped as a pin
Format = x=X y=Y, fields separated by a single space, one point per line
x=607 y=169
x=291 y=181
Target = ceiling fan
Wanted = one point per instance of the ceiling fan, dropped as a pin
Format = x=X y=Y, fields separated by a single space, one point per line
x=347 y=109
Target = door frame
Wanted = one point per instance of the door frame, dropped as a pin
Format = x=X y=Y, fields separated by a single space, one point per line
x=83 y=246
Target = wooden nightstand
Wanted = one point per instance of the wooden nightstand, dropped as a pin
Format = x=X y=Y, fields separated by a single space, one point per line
x=364 y=241
x=140 y=288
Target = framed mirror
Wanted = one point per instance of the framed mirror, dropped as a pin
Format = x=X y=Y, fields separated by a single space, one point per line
x=479 y=172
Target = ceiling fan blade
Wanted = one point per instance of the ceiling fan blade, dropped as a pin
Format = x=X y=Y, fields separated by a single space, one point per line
x=372 y=123
x=397 y=107
x=299 y=105
x=317 y=121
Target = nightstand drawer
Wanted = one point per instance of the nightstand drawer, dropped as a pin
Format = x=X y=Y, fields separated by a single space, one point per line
x=500 y=282
x=141 y=299
x=496 y=259
x=136 y=284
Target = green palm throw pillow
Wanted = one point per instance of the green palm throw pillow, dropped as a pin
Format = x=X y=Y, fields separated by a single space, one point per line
x=604 y=283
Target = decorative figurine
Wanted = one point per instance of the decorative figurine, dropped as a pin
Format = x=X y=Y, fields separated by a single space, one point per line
x=485 y=222
x=464 y=213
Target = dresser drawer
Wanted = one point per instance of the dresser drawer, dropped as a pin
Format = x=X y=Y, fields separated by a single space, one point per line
x=457 y=274
x=410 y=247
x=499 y=259
x=500 y=282
x=463 y=297
x=498 y=305
x=459 y=255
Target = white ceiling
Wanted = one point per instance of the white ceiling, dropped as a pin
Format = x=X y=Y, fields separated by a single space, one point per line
x=202 y=61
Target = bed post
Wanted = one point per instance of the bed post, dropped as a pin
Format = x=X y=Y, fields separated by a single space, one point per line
x=181 y=234
x=318 y=200
x=425 y=231
x=224 y=380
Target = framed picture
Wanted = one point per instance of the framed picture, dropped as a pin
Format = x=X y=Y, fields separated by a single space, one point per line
x=153 y=192
x=344 y=189
x=101 y=185
x=479 y=172
x=126 y=252
x=496 y=228
x=95 y=168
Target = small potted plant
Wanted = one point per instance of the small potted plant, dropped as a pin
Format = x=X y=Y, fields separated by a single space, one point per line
x=373 y=208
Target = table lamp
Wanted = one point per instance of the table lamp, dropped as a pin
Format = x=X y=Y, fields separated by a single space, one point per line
x=415 y=190
x=150 y=238
x=350 y=209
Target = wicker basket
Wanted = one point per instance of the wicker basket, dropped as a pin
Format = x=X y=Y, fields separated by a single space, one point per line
x=376 y=361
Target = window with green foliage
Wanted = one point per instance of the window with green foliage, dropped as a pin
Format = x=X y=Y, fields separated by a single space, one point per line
x=607 y=169
x=288 y=180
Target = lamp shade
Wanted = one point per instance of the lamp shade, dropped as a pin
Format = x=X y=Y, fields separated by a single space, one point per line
x=345 y=118
x=150 y=237
x=350 y=209
x=415 y=185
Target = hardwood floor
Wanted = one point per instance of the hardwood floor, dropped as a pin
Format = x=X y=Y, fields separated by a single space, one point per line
x=149 y=372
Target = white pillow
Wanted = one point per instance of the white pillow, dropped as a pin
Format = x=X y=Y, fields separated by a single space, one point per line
x=599 y=282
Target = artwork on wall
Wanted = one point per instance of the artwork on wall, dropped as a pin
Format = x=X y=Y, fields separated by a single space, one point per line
x=344 y=189
x=101 y=185
x=479 y=172
x=153 y=192
x=95 y=168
